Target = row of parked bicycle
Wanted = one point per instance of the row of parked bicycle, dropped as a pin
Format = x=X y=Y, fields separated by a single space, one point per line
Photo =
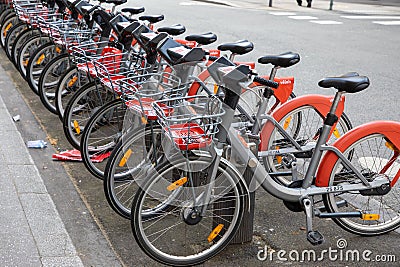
x=171 y=126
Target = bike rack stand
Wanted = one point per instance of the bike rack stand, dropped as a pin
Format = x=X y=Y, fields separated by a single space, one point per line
x=245 y=231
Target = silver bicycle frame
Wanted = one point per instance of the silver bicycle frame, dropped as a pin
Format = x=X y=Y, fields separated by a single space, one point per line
x=262 y=177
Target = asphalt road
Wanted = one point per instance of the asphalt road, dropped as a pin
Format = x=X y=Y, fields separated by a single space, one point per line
x=355 y=45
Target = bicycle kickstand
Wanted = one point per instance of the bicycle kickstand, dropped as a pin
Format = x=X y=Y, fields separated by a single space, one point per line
x=314 y=237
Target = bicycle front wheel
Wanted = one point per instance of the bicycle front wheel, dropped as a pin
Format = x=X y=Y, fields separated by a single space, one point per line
x=136 y=152
x=100 y=136
x=178 y=236
x=19 y=42
x=84 y=103
x=11 y=36
x=27 y=50
x=49 y=80
x=70 y=82
x=38 y=62
x=10 y=21
x=372 y=155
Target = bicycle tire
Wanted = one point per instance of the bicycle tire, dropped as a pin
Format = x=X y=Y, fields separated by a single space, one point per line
x=370 y=155
x=49 y=80
x=83 y=104
x=37 y=62
x=197 y=247
x=12 y=35
x=69 y=83
x=127 y=162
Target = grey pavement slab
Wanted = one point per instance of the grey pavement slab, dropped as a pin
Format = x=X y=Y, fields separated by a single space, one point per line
x=39 y=202
x=18 y=250
x=60 y=261
x=27 y=179
x=46 y=226
x=32 y=233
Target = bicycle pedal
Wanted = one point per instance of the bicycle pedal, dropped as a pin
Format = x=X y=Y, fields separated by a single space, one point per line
x=315 y=238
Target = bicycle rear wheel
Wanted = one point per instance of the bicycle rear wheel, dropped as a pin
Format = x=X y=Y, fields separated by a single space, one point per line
x=175 y=236
x=372 y=155
x=304 y=125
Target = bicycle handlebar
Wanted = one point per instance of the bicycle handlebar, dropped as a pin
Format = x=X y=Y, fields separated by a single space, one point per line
x=266 y=82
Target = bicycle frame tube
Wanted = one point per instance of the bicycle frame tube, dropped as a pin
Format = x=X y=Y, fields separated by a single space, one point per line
x=319 y=147
x=317 y=154
x=281 y=130
x=261 y=176
x=320 y=103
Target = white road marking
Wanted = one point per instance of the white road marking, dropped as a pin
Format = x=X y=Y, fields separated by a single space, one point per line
x=371 y=17
x=282 y=13
x=380 y=12
x=326 y=22
x=198 y=3
x=388 y=22
x=302 y=17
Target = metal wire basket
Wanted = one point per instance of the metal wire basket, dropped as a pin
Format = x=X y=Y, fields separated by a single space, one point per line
x=46 y=22
x=120 y=73
x=30 y=11
x=88 y=53
x=69 y=34
x=140 y=91
x=190 y=122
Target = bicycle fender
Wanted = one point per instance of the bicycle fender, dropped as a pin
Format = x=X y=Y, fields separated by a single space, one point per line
x=390 y=129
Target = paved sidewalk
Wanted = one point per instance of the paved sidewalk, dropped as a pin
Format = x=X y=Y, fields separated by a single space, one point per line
x=32 y=233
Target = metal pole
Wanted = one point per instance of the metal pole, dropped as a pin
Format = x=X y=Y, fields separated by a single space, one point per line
x=270 y=3
x=330 y=4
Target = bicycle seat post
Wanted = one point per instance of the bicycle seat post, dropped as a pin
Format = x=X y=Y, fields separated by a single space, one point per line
x=335 y=103
x=273 y=72
x=268 y=92
x=329 y=121
x=232 y=57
